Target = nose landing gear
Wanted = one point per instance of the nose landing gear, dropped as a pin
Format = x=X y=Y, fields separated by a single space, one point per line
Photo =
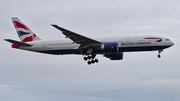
x=159 y=53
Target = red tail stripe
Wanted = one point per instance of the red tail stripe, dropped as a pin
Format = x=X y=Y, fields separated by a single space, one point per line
x=30 y=38
x=19 y=25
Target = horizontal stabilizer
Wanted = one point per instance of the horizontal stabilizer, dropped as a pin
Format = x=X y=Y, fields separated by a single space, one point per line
x=17 y=42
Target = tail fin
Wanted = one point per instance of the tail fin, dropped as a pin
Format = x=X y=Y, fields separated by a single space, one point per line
x=24 y=33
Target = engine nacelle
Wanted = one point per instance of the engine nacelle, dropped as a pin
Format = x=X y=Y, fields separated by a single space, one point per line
x=115 y=56
x=110 y=47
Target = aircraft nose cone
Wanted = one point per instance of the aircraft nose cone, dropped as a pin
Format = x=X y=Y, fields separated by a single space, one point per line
x=172 y=43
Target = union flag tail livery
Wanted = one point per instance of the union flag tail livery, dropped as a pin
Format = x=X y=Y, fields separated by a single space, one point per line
x=111 y=47
x=24 y=33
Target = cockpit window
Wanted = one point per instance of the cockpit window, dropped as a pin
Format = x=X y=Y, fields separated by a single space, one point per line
x=167 y=39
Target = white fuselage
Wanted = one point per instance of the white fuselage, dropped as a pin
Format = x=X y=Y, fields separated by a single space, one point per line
x=125 y=44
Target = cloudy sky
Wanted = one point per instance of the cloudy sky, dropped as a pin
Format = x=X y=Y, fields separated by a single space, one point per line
x=141 y=76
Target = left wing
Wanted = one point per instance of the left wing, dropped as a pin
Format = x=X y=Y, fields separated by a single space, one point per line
x=77 y=38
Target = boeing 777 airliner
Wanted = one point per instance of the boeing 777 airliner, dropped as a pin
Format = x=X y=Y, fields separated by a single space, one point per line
x=112 y=47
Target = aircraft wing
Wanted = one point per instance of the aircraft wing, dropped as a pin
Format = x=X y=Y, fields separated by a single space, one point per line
x=77 y=38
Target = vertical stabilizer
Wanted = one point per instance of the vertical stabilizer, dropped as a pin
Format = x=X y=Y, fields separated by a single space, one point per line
x=24 y=33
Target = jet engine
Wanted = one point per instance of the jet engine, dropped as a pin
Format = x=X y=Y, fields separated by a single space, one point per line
x=110 y=47
x=115 y=56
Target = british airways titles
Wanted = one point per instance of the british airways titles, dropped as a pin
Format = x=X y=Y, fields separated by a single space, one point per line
x=135 y=43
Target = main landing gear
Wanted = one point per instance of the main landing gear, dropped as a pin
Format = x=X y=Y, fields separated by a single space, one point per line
x=91 y=59
x=159 y=53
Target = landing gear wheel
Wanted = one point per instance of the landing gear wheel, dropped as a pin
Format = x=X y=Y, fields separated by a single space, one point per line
x=96 y=60
x=89 y=57
x=159 y=56
x=92 y=61
x=85 y=58
x=89 y=62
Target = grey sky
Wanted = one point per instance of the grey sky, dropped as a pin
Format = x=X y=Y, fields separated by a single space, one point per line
x=139 y=77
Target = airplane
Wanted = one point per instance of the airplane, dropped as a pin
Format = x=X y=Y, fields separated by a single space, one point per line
x=112 y=47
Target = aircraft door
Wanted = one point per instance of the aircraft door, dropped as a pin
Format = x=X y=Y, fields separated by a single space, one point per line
x=44 y=45
x=128 y=40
